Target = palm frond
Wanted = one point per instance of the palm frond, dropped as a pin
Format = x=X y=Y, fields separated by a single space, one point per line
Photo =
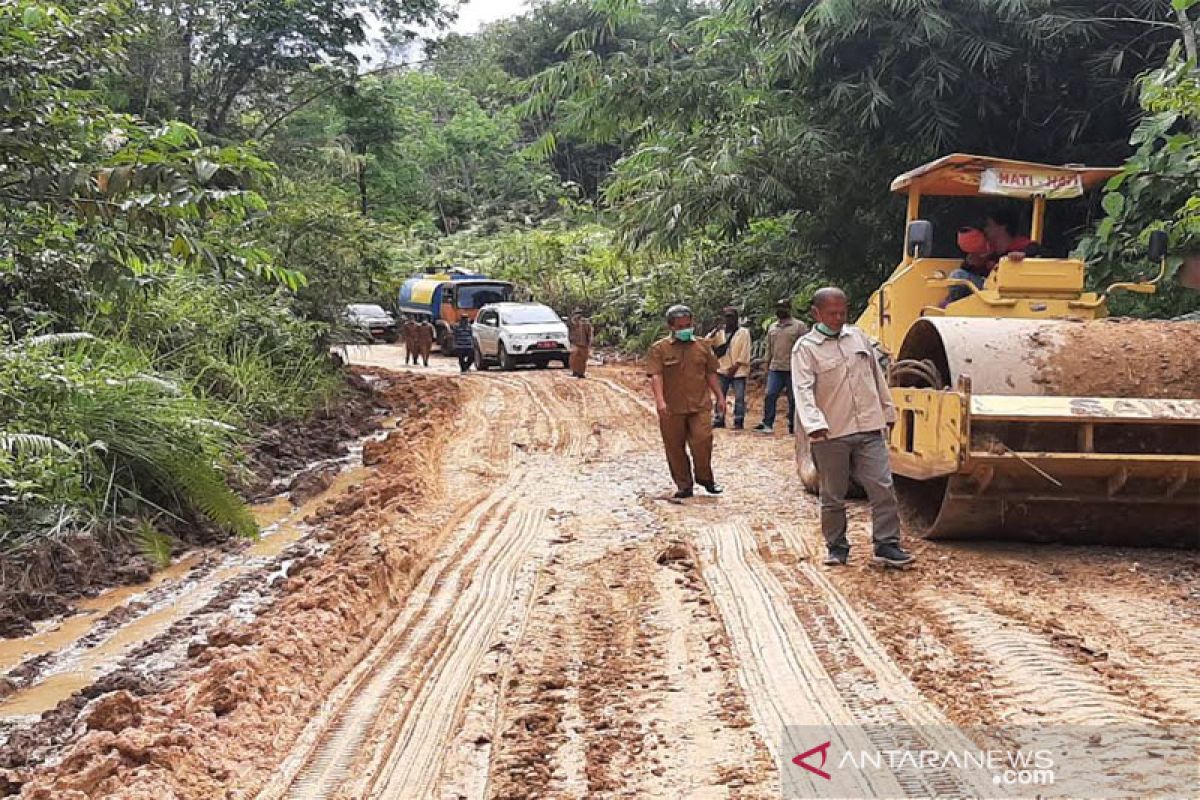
x=55 y=339
x=33 y=444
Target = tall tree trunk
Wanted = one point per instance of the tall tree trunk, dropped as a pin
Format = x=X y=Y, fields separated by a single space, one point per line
x=1187 y=29
x=186 y=93
x=218 y=115
x=362 y=185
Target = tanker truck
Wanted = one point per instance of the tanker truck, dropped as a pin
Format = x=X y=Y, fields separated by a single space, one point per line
x=443 y=298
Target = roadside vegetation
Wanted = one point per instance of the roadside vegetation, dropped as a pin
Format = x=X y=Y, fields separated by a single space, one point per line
x=190 y=192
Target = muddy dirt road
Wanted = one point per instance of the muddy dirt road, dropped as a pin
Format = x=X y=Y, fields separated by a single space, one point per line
x=501 y=604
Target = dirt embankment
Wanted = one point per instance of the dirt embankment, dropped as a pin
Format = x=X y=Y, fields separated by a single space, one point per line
x=230 y=715
x=40 y=582
x=1126 y=358
x=290 y=447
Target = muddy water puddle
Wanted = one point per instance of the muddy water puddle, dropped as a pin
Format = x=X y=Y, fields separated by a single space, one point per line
x=81 y=651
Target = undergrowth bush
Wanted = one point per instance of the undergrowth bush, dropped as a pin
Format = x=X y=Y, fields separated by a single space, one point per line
x=237 y=346
x=92 y=435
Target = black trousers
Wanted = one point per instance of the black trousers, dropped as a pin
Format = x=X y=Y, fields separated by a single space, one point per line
x=465 y=359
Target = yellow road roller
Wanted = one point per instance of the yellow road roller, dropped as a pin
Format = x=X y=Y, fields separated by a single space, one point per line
x=1023 y=411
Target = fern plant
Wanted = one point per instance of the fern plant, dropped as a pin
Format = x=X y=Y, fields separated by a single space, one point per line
x=155 y=545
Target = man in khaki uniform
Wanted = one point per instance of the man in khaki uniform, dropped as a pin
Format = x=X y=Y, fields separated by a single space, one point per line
x=410 y=348
x=845 y=409
x=579 y=336
x=683 y=375
x=731 y=344
x=422 y=335
x=781 y=338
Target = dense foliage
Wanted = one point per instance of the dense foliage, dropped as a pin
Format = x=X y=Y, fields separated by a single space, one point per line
x=145 y=320
x=1156 y=190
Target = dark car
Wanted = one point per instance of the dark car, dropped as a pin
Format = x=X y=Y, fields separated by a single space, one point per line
x=373 y=321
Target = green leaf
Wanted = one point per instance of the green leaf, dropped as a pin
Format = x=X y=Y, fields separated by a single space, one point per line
x=33 y=16
x=1114 y=204
x=205 y=170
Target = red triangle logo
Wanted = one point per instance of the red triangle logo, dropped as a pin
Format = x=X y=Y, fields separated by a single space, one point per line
x=823 y=749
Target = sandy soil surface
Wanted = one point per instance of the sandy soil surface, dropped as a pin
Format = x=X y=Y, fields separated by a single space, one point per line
x=1126 y=358
x=504 y=604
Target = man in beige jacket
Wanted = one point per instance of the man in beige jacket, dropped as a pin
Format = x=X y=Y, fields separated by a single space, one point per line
x=731 y=344
x=845 y=408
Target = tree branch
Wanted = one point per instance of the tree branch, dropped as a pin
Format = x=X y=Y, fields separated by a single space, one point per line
x=317 y=95
x=1187 y=30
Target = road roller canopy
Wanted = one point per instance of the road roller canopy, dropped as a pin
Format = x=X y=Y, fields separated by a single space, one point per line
x=964 y=175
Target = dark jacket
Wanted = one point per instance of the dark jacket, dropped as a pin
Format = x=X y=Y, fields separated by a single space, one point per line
x=463 y=340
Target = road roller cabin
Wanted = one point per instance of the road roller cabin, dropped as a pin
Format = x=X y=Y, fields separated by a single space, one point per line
x=988 y=441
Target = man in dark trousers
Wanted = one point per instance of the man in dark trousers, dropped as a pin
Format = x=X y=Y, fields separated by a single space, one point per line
x=464 y=343
x=845 y=409
x=683 y=375
x=781 y=338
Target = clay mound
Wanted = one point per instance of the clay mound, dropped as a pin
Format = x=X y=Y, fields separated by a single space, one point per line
x=1127 y=358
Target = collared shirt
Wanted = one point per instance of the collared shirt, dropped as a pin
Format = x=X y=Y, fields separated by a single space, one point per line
x=781 y=338
x=736 y=361
x=579 y=332
x=685 y=368
x=840 y=386
x=423 y=333
x=463 y=338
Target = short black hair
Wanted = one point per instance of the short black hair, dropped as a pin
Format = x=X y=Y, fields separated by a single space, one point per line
x=1004 y=217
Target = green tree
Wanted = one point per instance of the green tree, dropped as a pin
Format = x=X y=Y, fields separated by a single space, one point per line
x=206 y=62
x=1157 y=189
x=806 y=110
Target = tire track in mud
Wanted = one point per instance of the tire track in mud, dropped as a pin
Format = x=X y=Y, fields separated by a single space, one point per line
x=862 y=696
x=613 y=424
x=541 y=430
x=431 y=711
x=781 y=673
x=389 y=723
x=894 y=713
x=1033 y=680
x=326 y=750
x=814 y=587
x=1163 y=650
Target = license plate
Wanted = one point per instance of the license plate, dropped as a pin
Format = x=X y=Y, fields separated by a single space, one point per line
x=546 y=345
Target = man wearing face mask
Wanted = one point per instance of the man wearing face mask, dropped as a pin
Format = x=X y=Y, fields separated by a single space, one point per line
x=845 y=409
x=781 y=338
x=683 y=375
x=731 y=344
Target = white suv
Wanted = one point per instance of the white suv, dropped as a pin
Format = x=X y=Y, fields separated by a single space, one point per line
x=519 y=333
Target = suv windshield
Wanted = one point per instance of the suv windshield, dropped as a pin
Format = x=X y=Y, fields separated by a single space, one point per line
x=531 y=315
x=366 y=310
